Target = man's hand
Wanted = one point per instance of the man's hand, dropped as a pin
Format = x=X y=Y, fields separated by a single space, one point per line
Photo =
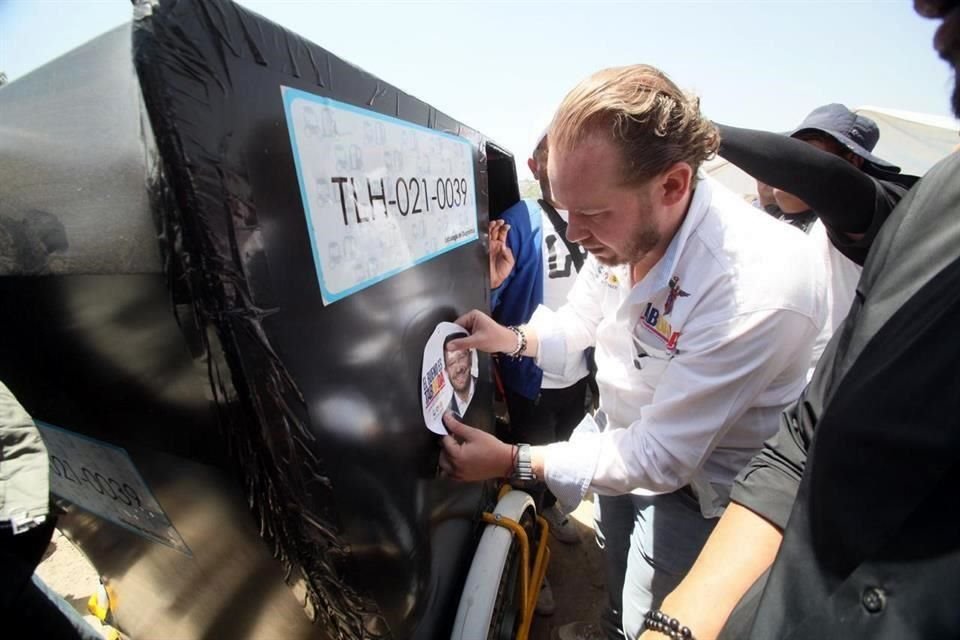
x=471 y=454
x=501 y=257
x=486 y=334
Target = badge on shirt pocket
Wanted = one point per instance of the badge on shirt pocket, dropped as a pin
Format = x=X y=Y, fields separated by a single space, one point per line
x=656 y=326
x=646 y=355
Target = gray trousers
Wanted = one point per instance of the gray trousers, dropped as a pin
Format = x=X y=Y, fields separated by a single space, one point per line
x=649 y=543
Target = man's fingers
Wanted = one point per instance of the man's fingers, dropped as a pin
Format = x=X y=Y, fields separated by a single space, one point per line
x=445 y=466
x=471 y=319
x=459 y=430
x=468 y=319
x=450 y=448
x=462 y=344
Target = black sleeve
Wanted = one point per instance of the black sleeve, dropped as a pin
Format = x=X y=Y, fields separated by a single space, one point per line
x=768 y=484
x=843 y=196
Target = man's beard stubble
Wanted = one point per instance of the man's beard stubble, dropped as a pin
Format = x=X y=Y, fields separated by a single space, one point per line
x=642 y=242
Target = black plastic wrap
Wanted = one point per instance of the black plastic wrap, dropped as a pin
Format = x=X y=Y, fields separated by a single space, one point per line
x=313 y=405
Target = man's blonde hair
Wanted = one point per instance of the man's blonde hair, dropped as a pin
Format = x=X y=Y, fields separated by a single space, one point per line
x=644 y=113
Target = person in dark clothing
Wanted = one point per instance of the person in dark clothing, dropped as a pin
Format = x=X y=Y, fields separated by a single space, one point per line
x=821 y=163
x=27 y=606
x=766 y=200
x=835 y=131
x=842 y=526
x=793 y=211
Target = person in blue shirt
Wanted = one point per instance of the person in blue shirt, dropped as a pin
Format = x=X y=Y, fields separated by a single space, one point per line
x=532 y=264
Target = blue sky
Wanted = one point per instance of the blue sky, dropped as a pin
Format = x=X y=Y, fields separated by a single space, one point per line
x=502 y=67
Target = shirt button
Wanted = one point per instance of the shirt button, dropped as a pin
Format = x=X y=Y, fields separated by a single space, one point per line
x=873 y=600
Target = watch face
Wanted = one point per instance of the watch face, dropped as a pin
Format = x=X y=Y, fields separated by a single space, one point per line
x=524 y=469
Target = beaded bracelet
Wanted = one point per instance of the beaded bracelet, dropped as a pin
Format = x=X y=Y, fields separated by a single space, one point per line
x=656 y=620
x=521 y=342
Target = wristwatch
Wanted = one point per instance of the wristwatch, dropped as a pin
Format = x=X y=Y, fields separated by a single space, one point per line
x=523 y=468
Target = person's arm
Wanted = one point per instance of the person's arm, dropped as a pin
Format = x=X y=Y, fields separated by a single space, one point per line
x=24 y=469
x=742 y=546
x=702 y=391
x=717 y=375
x=550 y=334
x=573 y=327
x=489 y=336
x=745 y=542
x=843 y=196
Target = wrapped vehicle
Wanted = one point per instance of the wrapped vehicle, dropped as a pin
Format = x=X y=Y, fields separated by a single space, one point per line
x=222 y=249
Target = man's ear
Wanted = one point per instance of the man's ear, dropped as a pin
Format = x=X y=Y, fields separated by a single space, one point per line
x=534 y=169
x=675 y=183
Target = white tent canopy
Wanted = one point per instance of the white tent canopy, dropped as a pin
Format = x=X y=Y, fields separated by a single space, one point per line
x=912 y=141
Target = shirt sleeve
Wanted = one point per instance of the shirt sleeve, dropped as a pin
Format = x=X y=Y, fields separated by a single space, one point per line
x=24 y=470
x=769 y=483
x=703 y=391
x=888 y=195
x=573 y=327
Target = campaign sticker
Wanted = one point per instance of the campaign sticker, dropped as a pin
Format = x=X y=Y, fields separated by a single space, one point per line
x=449 y=378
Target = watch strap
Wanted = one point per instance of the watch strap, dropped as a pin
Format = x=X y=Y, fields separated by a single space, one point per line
x=523 y=469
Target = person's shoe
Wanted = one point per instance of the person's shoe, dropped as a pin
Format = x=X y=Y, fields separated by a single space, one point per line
x=577 y=631
x=560 y=526
x=545 y=604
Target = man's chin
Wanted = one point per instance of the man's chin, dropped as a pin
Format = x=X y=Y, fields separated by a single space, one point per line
x=606 y=257
x=609 y=261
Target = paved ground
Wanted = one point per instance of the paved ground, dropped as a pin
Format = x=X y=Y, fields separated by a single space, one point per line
x=66 y=571
x=575 y=574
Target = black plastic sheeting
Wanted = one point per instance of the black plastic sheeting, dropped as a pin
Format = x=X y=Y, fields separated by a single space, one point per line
x=339 y=467
x=316 y=405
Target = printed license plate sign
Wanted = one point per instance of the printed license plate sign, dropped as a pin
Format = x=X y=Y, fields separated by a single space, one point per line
x=380 y=194
x=100 y=478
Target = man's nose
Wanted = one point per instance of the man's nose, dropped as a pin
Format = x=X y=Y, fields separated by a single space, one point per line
x=576 y=231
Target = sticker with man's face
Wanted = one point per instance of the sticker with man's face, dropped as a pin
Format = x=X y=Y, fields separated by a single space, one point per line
x=448 y=379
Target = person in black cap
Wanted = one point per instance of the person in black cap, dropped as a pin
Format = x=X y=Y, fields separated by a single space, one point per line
x=830 y=161
x=827 y=164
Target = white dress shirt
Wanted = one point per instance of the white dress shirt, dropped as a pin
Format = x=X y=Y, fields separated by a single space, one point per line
x=695 y=362
x=559 y=274
x=843 y=274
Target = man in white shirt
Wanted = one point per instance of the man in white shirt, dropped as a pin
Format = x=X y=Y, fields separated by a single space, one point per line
x=703 y=312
